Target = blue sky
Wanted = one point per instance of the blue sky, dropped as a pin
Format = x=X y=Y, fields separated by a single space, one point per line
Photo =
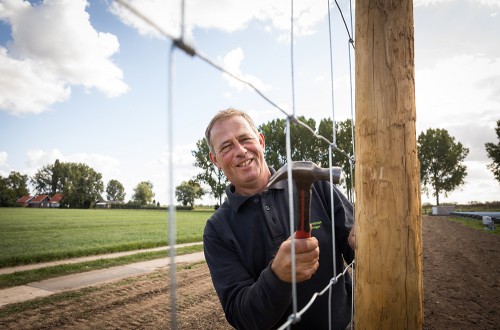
x=87 y=81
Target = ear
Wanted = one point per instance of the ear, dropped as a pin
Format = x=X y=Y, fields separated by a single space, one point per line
x=213 y=158
x=262 y=141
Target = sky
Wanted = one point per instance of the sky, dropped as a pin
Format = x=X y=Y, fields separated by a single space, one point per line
x=88 y=81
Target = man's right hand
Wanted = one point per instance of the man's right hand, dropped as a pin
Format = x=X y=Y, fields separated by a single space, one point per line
x=306 y=259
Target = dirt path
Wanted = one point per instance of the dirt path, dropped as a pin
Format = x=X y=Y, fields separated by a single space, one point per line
x=461 y=291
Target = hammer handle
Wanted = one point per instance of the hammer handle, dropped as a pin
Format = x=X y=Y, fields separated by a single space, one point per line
x=303 y=228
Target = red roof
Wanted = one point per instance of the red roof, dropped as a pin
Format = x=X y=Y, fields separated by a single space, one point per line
x=56 y=198
x=39 y=198
x=24 y=199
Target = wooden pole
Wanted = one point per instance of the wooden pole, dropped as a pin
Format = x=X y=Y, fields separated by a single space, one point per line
x=388 y=273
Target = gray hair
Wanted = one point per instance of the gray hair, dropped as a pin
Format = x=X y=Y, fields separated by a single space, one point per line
x=223 y=115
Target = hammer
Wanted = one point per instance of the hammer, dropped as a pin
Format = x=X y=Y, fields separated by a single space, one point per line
x=304 y=174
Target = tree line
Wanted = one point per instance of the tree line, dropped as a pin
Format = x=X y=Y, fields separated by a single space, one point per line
x=441 y=157
x=80 y=185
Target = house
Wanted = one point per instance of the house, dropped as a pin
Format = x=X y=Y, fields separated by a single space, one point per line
x=40 y=201
x=102 y=205
x=55 y=201
x=24 y=201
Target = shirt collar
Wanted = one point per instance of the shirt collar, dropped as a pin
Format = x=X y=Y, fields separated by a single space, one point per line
x=235 y=201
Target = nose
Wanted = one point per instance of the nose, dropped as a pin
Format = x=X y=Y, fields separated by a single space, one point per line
x=239 y=149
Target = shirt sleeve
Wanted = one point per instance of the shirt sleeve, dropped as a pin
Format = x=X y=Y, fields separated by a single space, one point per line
x=344 y=221
x=248 y=303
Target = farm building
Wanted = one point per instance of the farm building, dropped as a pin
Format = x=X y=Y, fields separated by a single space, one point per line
x=103 y=205
x=24 y=201
x=55 y=201
x=39 y=201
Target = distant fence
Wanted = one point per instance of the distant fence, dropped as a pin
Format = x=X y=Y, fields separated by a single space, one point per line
x=495 y=216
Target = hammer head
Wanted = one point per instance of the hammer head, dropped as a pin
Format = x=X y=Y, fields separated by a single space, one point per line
x=305 y=173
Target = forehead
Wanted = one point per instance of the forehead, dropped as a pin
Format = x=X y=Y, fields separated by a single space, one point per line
x=229 y=128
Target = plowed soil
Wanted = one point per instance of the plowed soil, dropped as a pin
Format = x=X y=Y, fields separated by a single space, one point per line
x=461 y=291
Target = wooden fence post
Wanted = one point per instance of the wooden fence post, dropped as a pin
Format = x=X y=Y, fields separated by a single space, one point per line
x=388 y=273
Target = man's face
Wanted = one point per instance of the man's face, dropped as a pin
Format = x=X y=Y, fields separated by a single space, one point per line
x=239 y=153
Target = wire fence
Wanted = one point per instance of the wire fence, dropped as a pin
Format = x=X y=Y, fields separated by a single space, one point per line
x=291 y=119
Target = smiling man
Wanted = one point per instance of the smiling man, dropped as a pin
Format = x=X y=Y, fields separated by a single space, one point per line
x=247 y=240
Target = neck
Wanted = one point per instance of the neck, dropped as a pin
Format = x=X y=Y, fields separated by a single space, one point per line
x=253 y=189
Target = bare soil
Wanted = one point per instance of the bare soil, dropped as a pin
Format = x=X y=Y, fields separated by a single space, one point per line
x=461 y=291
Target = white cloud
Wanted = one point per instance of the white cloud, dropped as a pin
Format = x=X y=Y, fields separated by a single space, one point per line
x=53 y=47
x=232 y=62
x=228 y=16
x=417 y=3
x=462 y=89
x=4 y=166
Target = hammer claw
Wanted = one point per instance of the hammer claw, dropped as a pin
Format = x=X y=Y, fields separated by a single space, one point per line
x=304 y=175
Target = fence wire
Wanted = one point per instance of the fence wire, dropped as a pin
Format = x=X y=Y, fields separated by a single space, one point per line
x=179 y=43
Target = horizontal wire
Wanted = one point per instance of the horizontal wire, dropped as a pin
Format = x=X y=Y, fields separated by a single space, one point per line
x=293 y=318
x=179 y=43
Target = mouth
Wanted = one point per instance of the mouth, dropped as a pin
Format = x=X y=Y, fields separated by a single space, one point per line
x=245 y=163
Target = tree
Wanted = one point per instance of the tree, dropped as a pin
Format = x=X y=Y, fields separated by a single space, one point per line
x=115 y=191
x=143 y=193
x=188 y=191
x=80 y=184
x=441 y=167
x=12 y=188
x=344 y=143
x=83 y=187
x=493 y=151
x=210 y=175
x=304 y=145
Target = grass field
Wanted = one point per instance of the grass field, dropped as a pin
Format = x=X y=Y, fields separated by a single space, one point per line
x=29 y=235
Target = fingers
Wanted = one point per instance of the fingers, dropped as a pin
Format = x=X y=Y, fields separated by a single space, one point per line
x=306 y=260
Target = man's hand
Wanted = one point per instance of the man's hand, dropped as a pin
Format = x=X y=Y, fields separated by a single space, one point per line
x=306 y=259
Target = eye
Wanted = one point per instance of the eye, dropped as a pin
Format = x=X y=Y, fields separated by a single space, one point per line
x=225 y=148
x=246 y=140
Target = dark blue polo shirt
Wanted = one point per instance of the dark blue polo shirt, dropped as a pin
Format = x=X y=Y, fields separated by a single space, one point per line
x=241 y=239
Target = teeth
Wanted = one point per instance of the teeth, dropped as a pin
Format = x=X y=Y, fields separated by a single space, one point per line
x=245 y=163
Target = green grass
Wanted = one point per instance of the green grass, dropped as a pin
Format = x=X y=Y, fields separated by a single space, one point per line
x=35 y=275
x=476 y=224
x=29 y=235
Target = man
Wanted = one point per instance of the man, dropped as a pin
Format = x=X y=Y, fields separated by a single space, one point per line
x=247 y=240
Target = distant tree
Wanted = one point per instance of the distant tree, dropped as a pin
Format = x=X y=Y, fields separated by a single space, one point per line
x=304 y=145
x=441 y=167
x=84 y=185
x=5 y=193
x=493 y=151
x=143 y=193
x=80 y=184
x=115 y=191
x=344 y=143
x=188 y=191
x=210 y=175
x=12 y=188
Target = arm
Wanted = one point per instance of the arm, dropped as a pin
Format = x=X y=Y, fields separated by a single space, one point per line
x=248 y=302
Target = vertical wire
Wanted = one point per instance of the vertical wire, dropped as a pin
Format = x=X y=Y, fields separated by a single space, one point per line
x=334 y=124
x=352 y=296
x=330 y=289
x=292 y=59
x=292 y=214
x=332 y=209
x=183 y=17
x=289 y=170
x=351 y=41
x=171 y=207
